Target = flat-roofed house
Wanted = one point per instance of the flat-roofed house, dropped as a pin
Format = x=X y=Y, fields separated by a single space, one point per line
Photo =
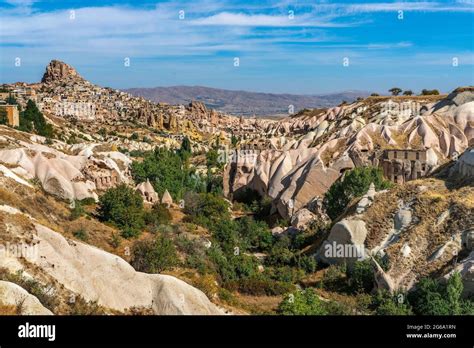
x=401 y=165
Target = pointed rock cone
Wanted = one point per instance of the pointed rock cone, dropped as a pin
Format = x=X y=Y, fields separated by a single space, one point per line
x=167 y=199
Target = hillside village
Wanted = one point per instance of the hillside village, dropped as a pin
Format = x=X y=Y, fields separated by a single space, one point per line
x=98 y=185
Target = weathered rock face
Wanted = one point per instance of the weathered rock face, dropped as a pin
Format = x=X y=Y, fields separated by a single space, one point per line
x=464 y=167
x=318 y=147
x=67 y=176
x=418 y=236
x=99 y=276
x=59 y=71
x=302 y=219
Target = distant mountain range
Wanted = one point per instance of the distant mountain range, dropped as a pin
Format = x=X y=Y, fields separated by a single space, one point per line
x=243 y=102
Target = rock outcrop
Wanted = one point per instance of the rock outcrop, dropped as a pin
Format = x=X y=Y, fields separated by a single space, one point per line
x=57 y=71
x=99 y=276
x=309 y=151
x=148 y=192
x=13 y=295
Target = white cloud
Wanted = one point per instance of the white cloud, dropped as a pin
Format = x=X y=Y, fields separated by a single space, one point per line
x=263 y=20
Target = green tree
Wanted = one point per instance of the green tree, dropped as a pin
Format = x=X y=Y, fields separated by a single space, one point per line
x=234 y=140
x=353 y=184
x=395 y=90
x=305 y=302
x=212 y=159
x=185 y=149
x=11 y=100
x=361 y=276
x=429 y=92
x=3 y=116
x=256 y=234
x=166 y=171
x=408 y=92
x=32 y=119
x=123 y=207
x=388 y=304
x=155 y=255
x=206 y=209
x=433 y=297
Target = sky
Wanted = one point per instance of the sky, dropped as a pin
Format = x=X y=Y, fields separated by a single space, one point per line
x=298 y=46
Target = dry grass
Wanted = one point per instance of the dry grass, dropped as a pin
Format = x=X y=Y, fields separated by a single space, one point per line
x=8 y=309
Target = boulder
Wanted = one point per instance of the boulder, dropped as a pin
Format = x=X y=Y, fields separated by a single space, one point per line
x=402 y=218
x=14 y=295
x=345 y=243
x=97 y=275
x=302 y=218
x=467 y=239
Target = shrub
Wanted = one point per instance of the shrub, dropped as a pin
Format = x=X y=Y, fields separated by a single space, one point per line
x=31 y=119
x=158 y=215
x=354 y=184
x=305 y=302
x=123 y=207
x=206 y=209
x=334 y=277
x=154 y=256
x=307 y=263
x=435 y=298
x=280 y=253
x=256 y=234
x=261 y=286
x=81 y=234
x=77 y=211
x=388 y=304
x=361 y=276
x=429 y=92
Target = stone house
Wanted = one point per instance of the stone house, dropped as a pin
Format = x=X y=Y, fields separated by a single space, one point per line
x=400 y=166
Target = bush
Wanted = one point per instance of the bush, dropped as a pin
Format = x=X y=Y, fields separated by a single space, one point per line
x=256 y=234
x=81 y=234
x=354 y=184
x=435 y=298
x=167 y=170
x=158 y=215
x=429 y=92
x=206 y=209
x=77 y=211
x=387 y=304
x=307 y=263
x=261 y=286
x=31 y=119
x=304 y=302
x=154 y=256
x=361 y=276
x=123 y=207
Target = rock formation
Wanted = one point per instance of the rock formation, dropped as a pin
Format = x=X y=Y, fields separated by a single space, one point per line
x=57 y=71
x=148 y=192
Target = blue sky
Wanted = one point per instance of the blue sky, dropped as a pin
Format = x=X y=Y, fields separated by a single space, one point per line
x=283 y=46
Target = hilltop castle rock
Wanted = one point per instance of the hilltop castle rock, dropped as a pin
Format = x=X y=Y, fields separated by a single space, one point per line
x=59 y=71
